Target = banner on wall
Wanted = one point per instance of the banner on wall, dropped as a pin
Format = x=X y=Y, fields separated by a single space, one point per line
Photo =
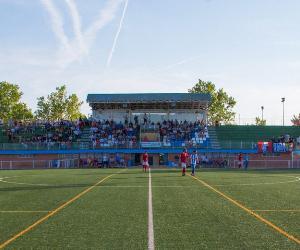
x=269 y=147
x=264 y=147
x=150 y=137
x=151 y=144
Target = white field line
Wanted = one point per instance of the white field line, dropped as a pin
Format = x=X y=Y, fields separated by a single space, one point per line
x=261 y=183
x=20 y=211
x=150 y=216
x=278 y=210
x=104 y=186
x=109 y=186
x=28 y=184
x=297 y=179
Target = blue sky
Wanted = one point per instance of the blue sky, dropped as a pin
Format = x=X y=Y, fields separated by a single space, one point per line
x=249 y=48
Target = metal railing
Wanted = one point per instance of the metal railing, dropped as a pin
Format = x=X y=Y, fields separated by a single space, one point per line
x=86 y=145
x=237 y=144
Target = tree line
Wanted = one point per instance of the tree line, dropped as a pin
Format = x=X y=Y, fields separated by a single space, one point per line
x=222 y=105
x=59 y=105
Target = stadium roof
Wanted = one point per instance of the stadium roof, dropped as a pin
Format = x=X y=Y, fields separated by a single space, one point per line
x=148 y=97
x=149 y=101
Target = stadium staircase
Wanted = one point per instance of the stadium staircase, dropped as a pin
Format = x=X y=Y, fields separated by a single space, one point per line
x=214 y=142
x=3 y=136
x=85 y=138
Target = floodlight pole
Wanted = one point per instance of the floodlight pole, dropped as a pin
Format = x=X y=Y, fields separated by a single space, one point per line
x=262 y=113
x=283 y=100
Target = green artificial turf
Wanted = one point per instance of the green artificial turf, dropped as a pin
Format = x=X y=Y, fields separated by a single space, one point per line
x=114 y=214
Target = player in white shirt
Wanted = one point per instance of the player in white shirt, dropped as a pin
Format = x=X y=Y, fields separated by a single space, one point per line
x=194 y=160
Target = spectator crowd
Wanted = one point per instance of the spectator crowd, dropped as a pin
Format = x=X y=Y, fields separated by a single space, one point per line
x=173 y=132
x=109 y=133
x=48 y=133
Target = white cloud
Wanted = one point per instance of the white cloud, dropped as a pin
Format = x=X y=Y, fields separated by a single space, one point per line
x=76 y=25
x=56 y=23
x=74 y=50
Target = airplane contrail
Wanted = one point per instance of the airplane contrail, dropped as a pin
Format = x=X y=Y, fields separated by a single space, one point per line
x=76 y=25
x=117 y=34
x=184 y=61
x=56 y=23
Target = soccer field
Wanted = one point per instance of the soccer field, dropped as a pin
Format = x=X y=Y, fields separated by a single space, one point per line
x=111 y=209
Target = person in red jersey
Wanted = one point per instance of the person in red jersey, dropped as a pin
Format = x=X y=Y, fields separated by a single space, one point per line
x=145 y=161
x=240 y=160
x=183 y=160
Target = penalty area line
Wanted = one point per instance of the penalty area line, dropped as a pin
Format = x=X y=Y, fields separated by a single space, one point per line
x=249 y=211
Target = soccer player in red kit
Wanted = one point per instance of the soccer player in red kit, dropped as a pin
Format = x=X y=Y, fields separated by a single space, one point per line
x=240 y=160
x=183 y=160
x=145 y=161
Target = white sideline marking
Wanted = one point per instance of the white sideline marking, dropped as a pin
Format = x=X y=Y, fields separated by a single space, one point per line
x=262 y=183
x=150 y=216
x=20 y=211
x=279 y=210
x=21 y=183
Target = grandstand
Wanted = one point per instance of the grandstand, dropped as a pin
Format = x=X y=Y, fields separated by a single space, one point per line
x=155 y=120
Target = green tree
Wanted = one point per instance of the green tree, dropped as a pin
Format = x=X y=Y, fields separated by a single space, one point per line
x=296 y=120
x=260 y=122
x=11 y=106
x=43 y=111
x=73 y=107
x=58 y=105
x=221 y=107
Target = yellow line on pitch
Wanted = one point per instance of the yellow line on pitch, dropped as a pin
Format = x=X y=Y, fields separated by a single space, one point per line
x=249 y=211
x=53 y=212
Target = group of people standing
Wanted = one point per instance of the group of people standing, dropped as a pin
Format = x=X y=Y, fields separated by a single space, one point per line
x=243 y=161
x=193 y=158
x=184 y=157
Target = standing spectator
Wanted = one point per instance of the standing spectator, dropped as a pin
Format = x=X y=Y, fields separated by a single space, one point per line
x=118 y=160
x=246 y=161
x=145 y=119
x=136 y=119
x=126 y=119
x=105 y=161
